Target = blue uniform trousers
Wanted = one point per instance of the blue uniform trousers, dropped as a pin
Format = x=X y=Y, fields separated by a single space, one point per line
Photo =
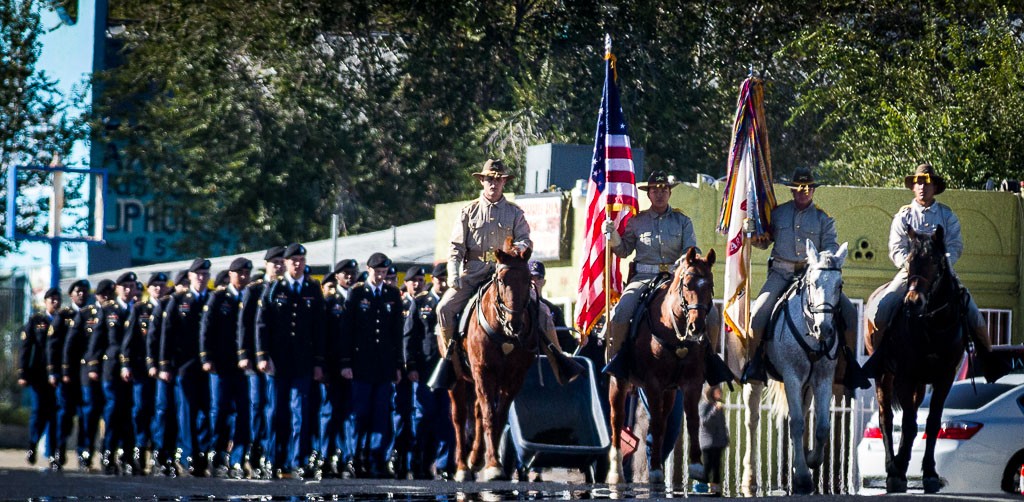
x=435 y=435
x=192 y=395
x=404 y=425
x=335 y=426
x=69 y=403
x=117 y=416
x=372 y=405
x=257 y=412
x=229 y=414
x=90 y=412
x=289 y=441
x=143 y=398
x=165 y=420
x=42 y=419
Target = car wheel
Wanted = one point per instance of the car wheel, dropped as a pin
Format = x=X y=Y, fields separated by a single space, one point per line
x=1011 y=475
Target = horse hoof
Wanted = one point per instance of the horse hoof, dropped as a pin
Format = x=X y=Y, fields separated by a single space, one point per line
x=463 y=475
x=895 y=484
x=492 y=474
x=803 y=485
x=657 y=477
x=749 y=485
x=696 y=471
x=932 y=484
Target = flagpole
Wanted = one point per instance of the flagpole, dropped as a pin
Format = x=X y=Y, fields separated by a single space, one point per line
x=607 y=215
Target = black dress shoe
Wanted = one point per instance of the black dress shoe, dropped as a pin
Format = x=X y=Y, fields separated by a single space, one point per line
x=237 y=472
x=55 y=465
x=84 y=461
x=108 y=463
x=30 y=456
x=348 y=470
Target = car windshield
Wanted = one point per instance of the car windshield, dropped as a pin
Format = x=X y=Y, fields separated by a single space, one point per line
x=963 y=397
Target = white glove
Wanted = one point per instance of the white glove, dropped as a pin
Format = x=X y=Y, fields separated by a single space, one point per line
x=613 y=234
x=455 y=283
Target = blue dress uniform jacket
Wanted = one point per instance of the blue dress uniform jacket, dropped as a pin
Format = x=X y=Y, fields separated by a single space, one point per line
x=79 y=360
x=334 y=307
x=140 y=350
x=55 y=339
x=421 y=350
x=179 y=340
x=114 y=328
x=290 y=328
x=246 y=336
x=218 y=331
x=372 y=344
x=32 y=357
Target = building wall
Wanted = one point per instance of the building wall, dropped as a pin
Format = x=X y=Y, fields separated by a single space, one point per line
x=991 y=222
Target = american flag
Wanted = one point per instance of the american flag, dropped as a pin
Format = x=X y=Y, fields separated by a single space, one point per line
x=611 y=193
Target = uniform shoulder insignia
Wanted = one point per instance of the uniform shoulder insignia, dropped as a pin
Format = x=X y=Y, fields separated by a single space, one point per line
x=66 y=310
x=357 y=285
x=110 y=303
x=257 y=282
x=905 y=208
x=677 y=210
x=421 y=294
x=221 y=288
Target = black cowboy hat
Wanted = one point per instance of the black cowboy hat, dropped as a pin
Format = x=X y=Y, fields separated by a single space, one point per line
x=802 y=178
x=927 y=174
x=659 y=179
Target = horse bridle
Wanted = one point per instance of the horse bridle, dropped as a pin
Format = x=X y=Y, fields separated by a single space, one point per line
x=808 y=311
x=688 y=307
x=504 y=312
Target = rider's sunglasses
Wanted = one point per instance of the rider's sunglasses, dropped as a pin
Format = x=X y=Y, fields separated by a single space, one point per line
x=803 y=188
x=922 y=179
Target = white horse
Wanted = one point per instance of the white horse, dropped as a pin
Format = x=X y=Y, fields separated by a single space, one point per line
x=803 y=349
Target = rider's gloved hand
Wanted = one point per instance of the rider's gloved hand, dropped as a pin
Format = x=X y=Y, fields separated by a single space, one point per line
x=612 y=233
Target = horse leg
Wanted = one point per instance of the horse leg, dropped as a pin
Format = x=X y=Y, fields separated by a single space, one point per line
x=617 y=401
x=930 y=477
x=487 y=396
x=822 y=387
x=476 y=455
x=658 y=408
x=752 y=403
x=883 y=394
x=459 y=396
x=494 y=429
x=691 y=403
x=802 y=483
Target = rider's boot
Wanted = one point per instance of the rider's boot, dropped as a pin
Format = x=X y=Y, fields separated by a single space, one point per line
x=754 y=370
x=715 y=369
x=873 y=366
x=614 y=336
x=566 y=369
x=447 y=370
x=992 y=366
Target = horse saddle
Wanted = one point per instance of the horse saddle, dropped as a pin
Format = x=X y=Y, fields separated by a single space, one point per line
x=644 y=302
x=470 y=310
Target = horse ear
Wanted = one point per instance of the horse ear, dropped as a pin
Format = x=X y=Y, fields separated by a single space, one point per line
x=812 y=252
x=508 y=247
x=710 y=257
x=939 y=235
x=911 y=233
x=527 y=253
x=841 y=255
x=501 y=256
x=691 y=253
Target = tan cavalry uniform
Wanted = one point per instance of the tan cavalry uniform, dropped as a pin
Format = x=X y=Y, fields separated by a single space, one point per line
x=660 y=241
x=792 y=228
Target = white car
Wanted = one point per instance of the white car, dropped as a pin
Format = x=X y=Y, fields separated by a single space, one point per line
x=980 y=446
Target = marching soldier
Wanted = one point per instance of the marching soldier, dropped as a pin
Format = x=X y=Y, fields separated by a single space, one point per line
x=165 y=410
x=924 y=215
x=180 y=360
x=371 y=357
x=335 y=391
x=346 y=272
x=69 y=390
x=106 y=344
x=403 y=417
x=138 y=368
x=435 y=436
x=793 y=224
x=290 y=350
x=482 y=228
x=260 y=406
x=32 y=375
x=80 y=360
x=218 y=351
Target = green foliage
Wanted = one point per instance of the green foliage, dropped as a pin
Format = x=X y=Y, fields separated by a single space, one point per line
x=35 y=121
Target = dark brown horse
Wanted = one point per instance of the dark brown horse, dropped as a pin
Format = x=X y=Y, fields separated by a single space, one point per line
x=668 y=354
x=501 y=343
x=923 y=345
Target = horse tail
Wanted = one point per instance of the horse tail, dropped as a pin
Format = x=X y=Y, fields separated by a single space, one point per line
x=778 y=404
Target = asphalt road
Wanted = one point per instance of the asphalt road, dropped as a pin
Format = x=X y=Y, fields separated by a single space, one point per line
x=18 y=481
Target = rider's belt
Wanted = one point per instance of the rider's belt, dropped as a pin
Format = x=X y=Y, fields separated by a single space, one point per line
x=653 y=268
x=784 y=265
x=486 y=256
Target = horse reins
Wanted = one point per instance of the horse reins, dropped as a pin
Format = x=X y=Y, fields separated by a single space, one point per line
x=808 y=311
x=503 y=314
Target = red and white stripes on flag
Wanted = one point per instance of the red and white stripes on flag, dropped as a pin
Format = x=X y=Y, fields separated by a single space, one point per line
x=611 y=194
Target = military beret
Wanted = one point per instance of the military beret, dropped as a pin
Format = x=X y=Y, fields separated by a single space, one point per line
x=127 y=277
x=52 y=292
x=295 y=249
x=362 y=276
x=182 y=277
x=537 y=268
x=306 y=270
x=274 y=252
x=346 y=264
x=157 y=277
x=105 y=287
x=378 y=260
x=221 y=279
x=415 y=271
x=199 y=264
x=139 y=285
x=80 y=284
x=440 y=270
x=392 y=271
x=239 y=264
x=329 y=279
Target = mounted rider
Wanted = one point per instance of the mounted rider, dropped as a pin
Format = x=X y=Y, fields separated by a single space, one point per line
x=660 y=236
x=483 y=226
x=924 y=215
x=793 y=224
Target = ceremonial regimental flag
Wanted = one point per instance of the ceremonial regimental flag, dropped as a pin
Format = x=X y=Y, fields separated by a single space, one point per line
x=747 y=202
x=611 y=194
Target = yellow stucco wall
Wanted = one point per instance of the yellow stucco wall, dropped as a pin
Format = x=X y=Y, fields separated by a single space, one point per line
x=991 y=225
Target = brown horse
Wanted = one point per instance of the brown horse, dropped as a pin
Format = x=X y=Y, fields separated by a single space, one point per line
x=501 y=343
x=668 y=354
x=923 y=345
